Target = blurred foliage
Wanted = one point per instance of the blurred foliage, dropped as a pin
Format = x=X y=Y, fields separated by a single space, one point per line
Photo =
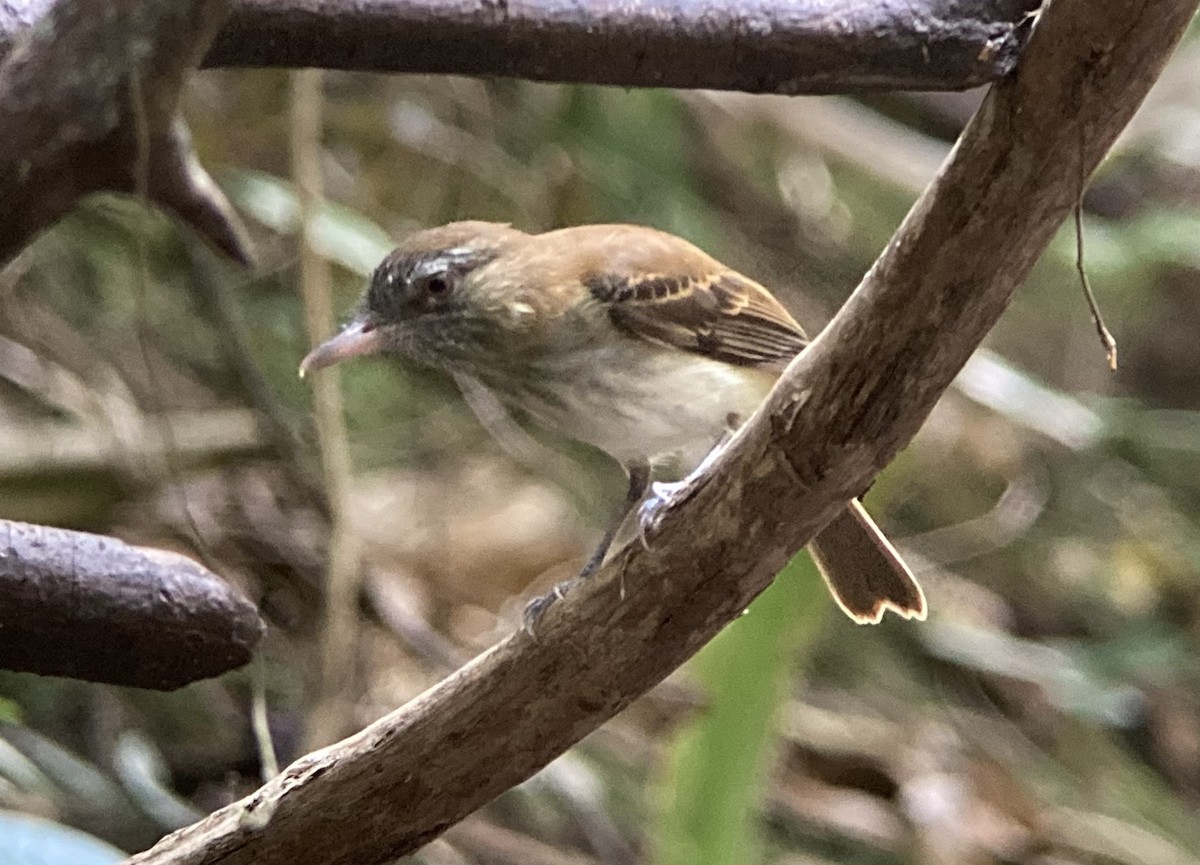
x=1049 y=711
x=717 y=768
x=30 y=840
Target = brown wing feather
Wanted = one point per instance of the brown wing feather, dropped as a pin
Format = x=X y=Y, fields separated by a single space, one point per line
x=721 y=315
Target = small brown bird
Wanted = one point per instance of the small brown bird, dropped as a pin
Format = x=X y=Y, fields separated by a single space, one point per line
x=627 y=338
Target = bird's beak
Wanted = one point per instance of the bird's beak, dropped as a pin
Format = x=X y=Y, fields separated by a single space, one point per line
x=357 y=338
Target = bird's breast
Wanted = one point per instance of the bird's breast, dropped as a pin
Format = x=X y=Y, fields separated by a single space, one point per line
x=638 y=401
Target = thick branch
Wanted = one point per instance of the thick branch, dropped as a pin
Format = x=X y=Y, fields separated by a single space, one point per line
x=88 y=98
x=94 y=608
x=72 y=70
x=839 y=414
x=803 y=46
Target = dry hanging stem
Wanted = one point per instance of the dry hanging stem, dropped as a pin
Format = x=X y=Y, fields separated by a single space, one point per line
x=1106 y=338
x=332 y=712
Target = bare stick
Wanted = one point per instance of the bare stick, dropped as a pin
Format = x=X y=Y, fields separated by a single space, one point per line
x=89 y=607
x=333 y=709
x=1106 y=338
x=803 y=46
x=842 y=410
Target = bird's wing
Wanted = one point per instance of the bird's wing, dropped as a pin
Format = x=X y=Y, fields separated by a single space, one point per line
x=716 y=313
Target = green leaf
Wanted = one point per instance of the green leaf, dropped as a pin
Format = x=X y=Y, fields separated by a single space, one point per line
x=340 y=234
x=719 y=765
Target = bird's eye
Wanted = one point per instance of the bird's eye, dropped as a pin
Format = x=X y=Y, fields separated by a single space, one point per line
x=437 y=285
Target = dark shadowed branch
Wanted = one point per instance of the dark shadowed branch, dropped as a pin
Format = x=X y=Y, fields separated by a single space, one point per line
x=838 y=415
x=811 y=46
x=88 y=103
x=94 y=608
x=71 y=71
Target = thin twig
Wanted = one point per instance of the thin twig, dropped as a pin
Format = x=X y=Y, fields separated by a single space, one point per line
x=259 y=724
x=1106 y=338
x=332 y=709
x=213 y=296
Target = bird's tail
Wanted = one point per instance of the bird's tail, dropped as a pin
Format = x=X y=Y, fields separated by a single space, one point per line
x=863 y=570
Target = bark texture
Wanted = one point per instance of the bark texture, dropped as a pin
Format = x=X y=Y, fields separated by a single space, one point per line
x=94 y=608
x=89 y=91
x=802 y=46
x=88 y=102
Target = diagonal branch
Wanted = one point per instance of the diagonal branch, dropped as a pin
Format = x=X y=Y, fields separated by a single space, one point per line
x=803 y=46
x=839 y=414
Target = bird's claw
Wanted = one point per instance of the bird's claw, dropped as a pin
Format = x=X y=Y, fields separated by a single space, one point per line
x=651 y=509
x=663 y=495
x=537 y=608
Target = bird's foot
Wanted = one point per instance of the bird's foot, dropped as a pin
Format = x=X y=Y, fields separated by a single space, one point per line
x=537 y=608
x=662 y=496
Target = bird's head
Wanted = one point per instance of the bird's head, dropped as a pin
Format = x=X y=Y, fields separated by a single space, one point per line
x=426 y=300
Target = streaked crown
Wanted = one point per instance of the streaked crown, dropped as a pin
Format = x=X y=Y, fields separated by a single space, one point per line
x=423 y=272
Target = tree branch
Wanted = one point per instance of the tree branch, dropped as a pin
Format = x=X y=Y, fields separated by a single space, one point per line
x=71 y=70
x=88 y=102
x=77 y=80
x=803 y=46
x=94 y=608
x=839 y=414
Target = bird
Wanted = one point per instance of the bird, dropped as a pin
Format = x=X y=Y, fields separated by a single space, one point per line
x=624 y=337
